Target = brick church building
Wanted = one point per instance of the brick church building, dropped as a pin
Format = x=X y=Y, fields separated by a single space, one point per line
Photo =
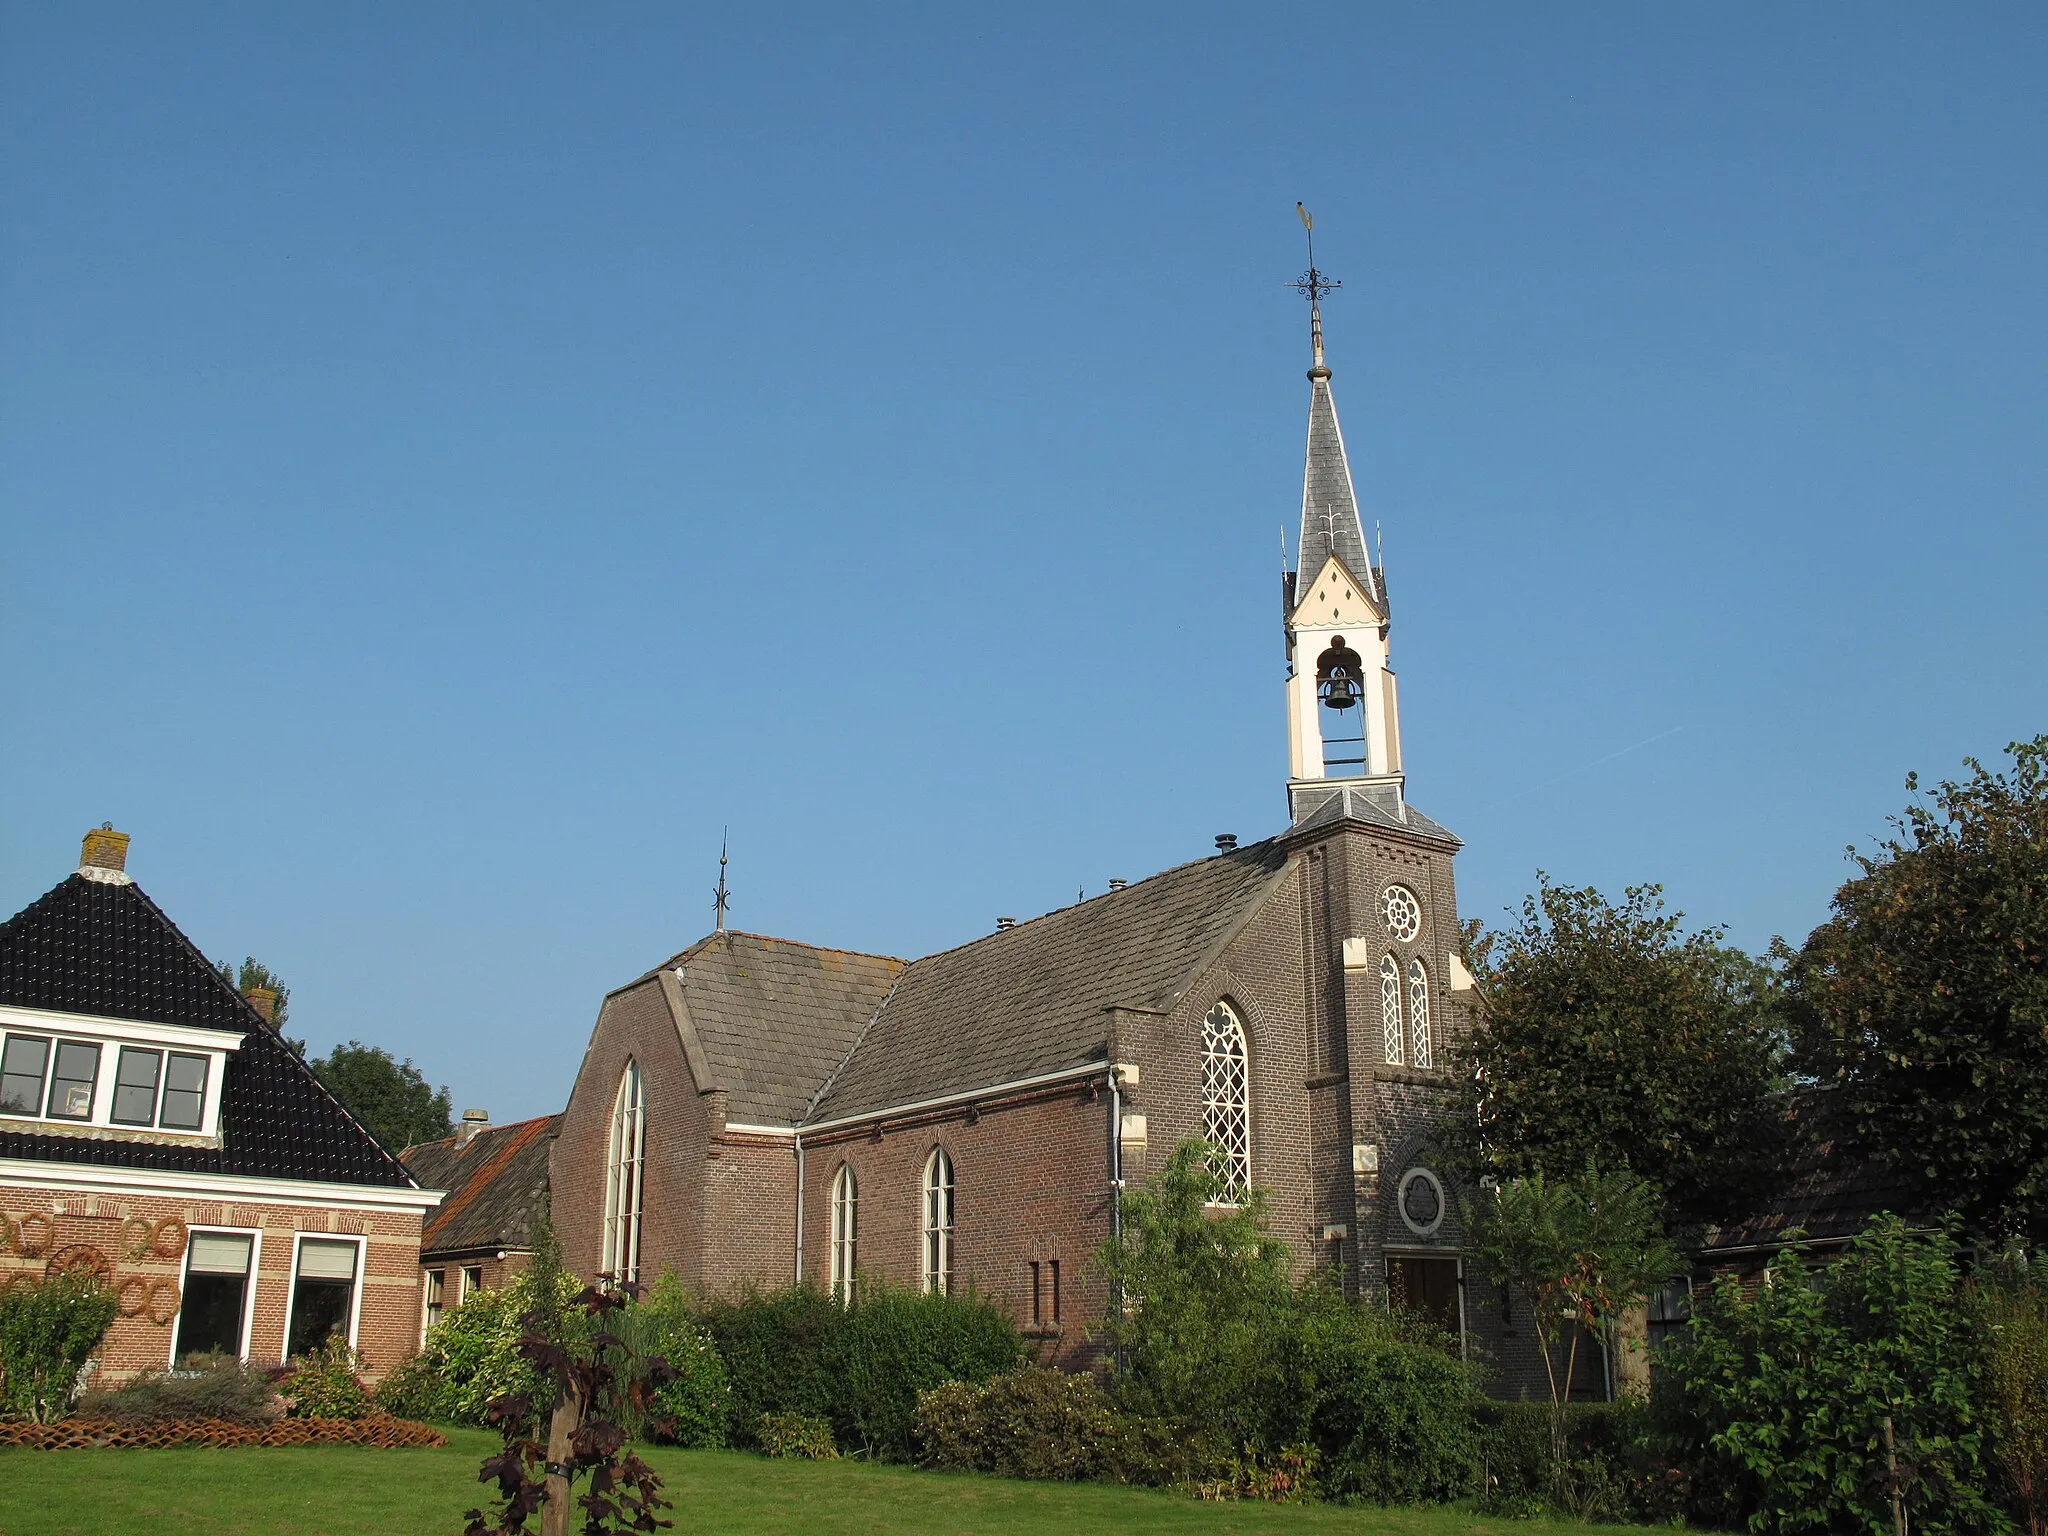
x=762 y=1110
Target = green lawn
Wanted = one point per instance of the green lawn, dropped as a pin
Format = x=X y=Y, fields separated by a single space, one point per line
x=344 y=1491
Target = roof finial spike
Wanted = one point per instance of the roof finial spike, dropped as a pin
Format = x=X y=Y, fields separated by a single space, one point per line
x=1314 y=287
x=721 y=898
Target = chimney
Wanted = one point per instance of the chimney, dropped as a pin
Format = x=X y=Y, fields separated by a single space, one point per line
x=473 y=1120
x=104 y=855
x=1004 y=924
x=1226 y=842
x=1116 y=884
x=264 y=1001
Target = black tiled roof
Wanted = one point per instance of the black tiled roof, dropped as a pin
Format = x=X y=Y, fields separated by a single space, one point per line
x=497 y=1184
x=107 y=950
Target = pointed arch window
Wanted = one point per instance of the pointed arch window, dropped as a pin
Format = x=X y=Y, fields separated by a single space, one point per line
x=1418 y=1014
x=622 y=1185
x=1390 y=1008
x=938 y=1222
x=1226 y=1102
x=845 y=1232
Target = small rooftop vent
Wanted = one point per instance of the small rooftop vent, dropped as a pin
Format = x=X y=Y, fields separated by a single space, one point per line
x=1117 y=885
x=1226 y=842
x=1005 y=923
x=473 y=1120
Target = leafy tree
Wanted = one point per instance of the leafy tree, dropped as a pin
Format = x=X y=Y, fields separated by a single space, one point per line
x=1783 y=1393
x=254 y=973
x=388 y=1096
x=1584 y=1250
x=1614 y=1039
x=1925 y=997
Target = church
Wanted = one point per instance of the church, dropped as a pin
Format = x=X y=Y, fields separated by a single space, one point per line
x=763 y=1111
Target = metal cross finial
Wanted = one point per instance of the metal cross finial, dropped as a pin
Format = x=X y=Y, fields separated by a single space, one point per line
x=1314 y=287
x=721 y=898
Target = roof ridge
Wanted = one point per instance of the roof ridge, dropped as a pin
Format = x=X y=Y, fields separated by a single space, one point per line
x=488 y=1130
x=685 y=954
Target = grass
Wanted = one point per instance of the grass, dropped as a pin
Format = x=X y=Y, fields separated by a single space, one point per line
x=346 y=1491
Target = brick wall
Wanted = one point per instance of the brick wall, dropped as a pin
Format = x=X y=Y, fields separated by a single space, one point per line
x=387 y=1279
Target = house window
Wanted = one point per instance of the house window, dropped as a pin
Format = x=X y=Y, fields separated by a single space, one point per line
x=436 y=1301
x=323 y=1293
x=622 y=1189
x=938 y=1222
x=472 y=1280
x=1226 y=1103
x=184 y=1092
x=214 y=1308
x=22 y=1066
x=135 y=1082
x=1390 y=1008
x=1418 y=1014
x=78 y=1067
x=845 y=1232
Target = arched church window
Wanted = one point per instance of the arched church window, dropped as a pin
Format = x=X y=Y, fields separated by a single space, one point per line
x=1226 y=1102
x=624 y=1164
x=1390 y=1008
x=1418 y=1014
x=938 y=1222
x=845 y=1232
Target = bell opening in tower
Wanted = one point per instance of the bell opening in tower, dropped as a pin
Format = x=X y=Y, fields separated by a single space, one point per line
x=1340 y=710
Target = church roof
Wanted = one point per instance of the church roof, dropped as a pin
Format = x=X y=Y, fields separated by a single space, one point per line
x=1346 y=801
x=1329 y=506
x=497 y=1183
x=105 y=950
x=1031 y=1000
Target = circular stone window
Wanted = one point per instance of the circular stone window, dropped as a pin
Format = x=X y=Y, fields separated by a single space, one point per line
x=1421 y=1200
x=1403 y=913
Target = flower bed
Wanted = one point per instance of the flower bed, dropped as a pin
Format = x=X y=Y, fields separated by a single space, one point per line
x=376 y=1430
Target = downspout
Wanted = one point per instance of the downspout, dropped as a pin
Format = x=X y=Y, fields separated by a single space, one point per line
x=1116 y=1181
x=799 y=1206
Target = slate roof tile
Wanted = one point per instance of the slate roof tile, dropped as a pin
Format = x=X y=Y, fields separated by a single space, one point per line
x=497 y=1184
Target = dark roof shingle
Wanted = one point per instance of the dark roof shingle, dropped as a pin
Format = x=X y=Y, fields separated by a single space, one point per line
x=497 y=1184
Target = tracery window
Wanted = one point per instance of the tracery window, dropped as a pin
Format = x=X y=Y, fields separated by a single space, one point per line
x=1226 y=1102
x=622 y=1184
x=1402 y=912
x=938 y=1222
x=1390 y=1008
x=845 y=1232
x=1418 y=1014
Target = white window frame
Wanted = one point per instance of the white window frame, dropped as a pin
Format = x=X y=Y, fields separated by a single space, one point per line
x=936 y=1257
x=845 y=1232
x=248 y=1296
x=621 y=1249
x=110 y=1035
x=1232 y=1159
x=1421 y=1052
x=355 y=1300
x=427 y=1275
x=1392 y=1032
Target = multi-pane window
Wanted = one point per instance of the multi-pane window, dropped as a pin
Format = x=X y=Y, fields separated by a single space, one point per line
x=59 y=1080
x=938 y=1222
x=323 y=1293
x=22 y=1066
x=1226 y=1103
x=184 y=1092
x=71 y=1083
x=135 y=1083
x=436 y=1301
x=1390 y=1009
x=472 y=1280
x=1418 y=1014
x=845 y=1232
x=215 y=1303
x=622 y=1192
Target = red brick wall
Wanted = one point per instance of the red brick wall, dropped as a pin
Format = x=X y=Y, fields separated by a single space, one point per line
x=388 y=1278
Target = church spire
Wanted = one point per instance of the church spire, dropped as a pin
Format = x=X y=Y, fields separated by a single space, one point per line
x=1329 y=506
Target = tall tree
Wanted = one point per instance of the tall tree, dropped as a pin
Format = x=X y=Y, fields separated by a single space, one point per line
x=1925 y=997
x=1612 y=1039
x=390 y=1097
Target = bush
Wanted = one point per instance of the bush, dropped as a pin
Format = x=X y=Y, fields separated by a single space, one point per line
x=414 y=1389
x=859 y=1368
x=692 y=1409
x=326 y=1384
x=2016 y=1310
x=800 y=1436
x=1032 y=1422
x=1616 y=1464
x=473 y=1352
x=1392 y=1421
x=46 y=1335
x=1779 y=1398
x=203 y=1387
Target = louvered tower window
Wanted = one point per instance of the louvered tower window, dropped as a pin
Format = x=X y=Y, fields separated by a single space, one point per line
x=1226 y=1102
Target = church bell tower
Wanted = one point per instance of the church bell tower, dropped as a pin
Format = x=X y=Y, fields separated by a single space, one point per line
x=1343 y=717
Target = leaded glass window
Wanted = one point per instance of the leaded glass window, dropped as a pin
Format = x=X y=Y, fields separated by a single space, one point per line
x=845 y=1232
x=622 y=1185
x=1390 y=1008
x=938 y=1222
x=1418 y=1014
x=1226 y=1102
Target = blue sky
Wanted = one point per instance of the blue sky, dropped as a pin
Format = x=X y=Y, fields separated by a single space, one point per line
x=455 y=459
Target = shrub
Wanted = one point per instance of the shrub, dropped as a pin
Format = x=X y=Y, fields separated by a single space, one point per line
x=326 y=1384
x=860 y=1367
x=414 y=1389
x=799 y=1436
x=2016 y=1310
x=1032 y=1422
x=1781 y=1397
x=47 y=1333
x=692 y=1408
x=1616 y=1466
x=1392 y=1421
x=203 y=1387
x=474 y=1350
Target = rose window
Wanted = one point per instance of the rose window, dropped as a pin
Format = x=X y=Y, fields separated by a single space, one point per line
x=1403 y=913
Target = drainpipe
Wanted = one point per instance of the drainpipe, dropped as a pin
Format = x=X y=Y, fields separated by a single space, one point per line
x=1116 y=1175
x=799 y=1207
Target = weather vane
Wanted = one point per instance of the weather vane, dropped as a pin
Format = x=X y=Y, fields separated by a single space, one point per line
x=1312 y=285
x=721 y=898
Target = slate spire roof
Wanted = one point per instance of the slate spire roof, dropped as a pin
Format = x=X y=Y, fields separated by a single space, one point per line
x=107 y=951
x=1329 y=506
